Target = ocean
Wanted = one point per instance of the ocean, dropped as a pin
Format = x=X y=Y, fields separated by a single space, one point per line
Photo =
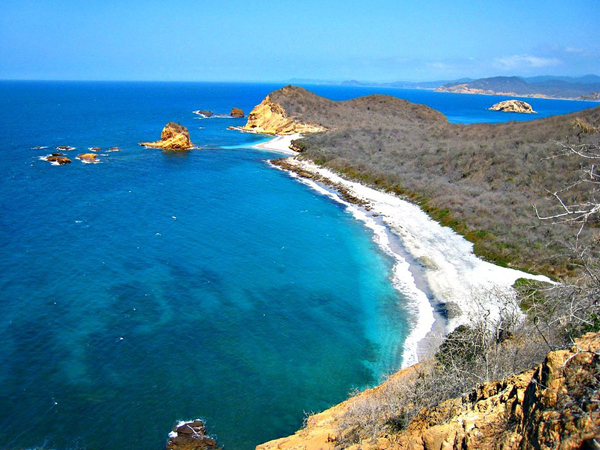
x=154 y=287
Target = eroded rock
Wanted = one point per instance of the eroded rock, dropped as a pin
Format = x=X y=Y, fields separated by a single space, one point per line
x=190 y=436
x=236 y=112
x=58 y=158
x=174 y=136
x=270 y=117
x=516 y=106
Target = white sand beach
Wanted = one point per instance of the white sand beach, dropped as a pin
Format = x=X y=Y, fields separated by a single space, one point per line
x=435 y=267
x=280 y=144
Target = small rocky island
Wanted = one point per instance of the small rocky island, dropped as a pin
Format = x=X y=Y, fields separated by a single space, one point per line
x=190 y=436
x=516 y=106
x=236 y=112
x=174 y=136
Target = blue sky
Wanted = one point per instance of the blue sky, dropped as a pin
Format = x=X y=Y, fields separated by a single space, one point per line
x=232 y=40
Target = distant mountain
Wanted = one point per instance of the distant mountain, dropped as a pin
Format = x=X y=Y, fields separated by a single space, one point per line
x=586 y=79
x=406 y=84
x=587 y=87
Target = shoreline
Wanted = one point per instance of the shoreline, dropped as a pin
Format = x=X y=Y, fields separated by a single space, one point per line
x=445 y=283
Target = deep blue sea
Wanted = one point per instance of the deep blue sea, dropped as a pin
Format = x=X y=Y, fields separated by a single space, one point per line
x=155 y=287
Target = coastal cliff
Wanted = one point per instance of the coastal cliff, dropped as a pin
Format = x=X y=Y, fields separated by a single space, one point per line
x=554 y=405
x=269 y=117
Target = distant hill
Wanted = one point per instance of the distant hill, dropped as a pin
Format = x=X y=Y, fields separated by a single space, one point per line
x=406 y=84
x=586 y=87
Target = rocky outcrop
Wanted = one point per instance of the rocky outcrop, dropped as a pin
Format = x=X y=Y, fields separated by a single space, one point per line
x=516 y=106
x=270 y=117
x=88 y=157
x=236 y=112
x=58 y=158
x=190 y=436
x=554 y=406
x=204 y=113
x=174 y=136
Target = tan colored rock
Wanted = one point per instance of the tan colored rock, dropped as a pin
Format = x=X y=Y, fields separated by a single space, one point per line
x=88 y=157
x=269 y=117
x=554 y=406
x=173 y=137
x=516 y=106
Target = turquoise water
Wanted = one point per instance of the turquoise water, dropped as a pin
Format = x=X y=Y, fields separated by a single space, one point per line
x=154 y=287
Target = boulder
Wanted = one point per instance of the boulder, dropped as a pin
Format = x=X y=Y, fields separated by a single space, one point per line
x=88 y=157
x=190 y=436
x=58 y=158
x=204 y=113
x=236 y=112
x=516 y=106
x=174 y=136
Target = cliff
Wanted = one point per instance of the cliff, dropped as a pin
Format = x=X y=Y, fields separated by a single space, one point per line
x=269 y=117
x=555 y=405
x=173 y=137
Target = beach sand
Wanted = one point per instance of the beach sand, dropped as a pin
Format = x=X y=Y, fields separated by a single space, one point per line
x=436 y=270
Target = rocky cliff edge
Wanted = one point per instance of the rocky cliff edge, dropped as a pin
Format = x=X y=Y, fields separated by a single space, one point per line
x=553 y=406
x=269 y=117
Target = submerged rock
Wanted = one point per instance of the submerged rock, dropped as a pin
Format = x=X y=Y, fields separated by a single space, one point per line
x=190 y=436
x=174 y=136
x=236 y=112
x=516 y=106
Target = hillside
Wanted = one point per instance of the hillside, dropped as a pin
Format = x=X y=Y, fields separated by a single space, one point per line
x=482 y=179
x=550 y=87
x=553 y=405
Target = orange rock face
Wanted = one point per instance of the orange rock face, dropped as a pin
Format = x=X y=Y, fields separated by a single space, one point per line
x=553 y=406
x=269 y=117
x=173 y=137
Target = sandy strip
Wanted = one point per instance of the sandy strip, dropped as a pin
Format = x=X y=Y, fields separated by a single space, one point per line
x=280 y=144
x=435 y=268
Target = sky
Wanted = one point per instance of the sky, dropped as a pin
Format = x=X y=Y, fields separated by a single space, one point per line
x=234 y=40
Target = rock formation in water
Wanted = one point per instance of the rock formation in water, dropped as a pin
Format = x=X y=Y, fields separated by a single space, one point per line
x=236 y=112
x=190 y=436
x=555 y=405
x=516 y=106
x=269 y=117
x=173 y=137
x=88 y=157
x=204 y=113
x=58 y=158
